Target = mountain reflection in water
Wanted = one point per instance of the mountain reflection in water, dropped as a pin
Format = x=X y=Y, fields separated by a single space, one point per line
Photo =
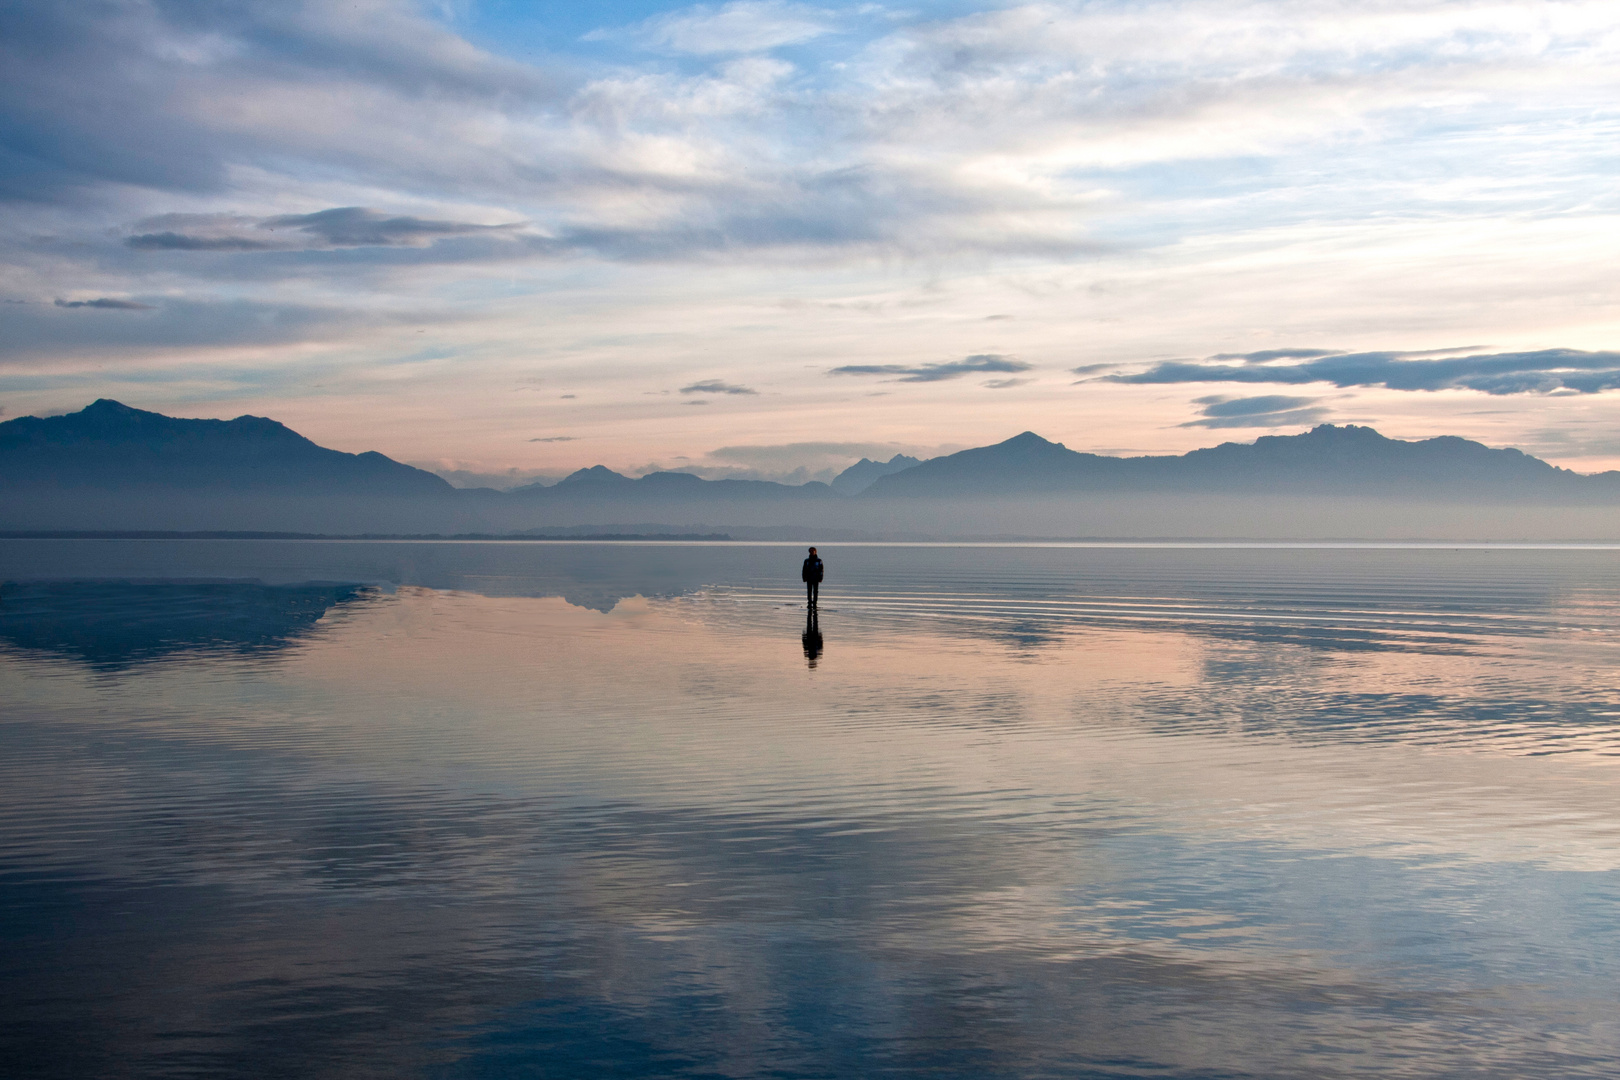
x=110 y=625
x=1034 y=812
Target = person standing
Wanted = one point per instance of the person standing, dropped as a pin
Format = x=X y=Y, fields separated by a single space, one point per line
x=812 y=573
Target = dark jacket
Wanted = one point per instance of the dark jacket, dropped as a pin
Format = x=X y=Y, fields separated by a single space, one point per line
x=813 y=570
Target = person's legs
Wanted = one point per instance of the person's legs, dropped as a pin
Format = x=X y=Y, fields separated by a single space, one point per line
x=811 y=588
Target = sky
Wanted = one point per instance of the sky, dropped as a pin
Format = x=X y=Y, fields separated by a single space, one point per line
x=762 y=238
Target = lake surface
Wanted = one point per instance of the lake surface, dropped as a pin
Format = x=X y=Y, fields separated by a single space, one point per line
x=616 y=810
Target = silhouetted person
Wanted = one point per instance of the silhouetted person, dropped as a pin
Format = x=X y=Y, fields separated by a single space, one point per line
x=812 y=574
x=812 y=638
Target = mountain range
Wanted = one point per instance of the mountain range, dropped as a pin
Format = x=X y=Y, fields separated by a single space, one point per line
x=110 y=466
x=1328 y=459
x=112 y=446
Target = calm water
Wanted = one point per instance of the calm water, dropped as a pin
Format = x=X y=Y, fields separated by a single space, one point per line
x=507 y=810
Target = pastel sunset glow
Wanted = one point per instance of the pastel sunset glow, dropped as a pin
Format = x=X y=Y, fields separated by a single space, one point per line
x=765 y=239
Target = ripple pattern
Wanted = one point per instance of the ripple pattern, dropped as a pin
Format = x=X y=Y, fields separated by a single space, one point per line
x=575 y=810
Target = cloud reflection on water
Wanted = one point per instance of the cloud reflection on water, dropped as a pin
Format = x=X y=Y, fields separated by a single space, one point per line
x=465 y=833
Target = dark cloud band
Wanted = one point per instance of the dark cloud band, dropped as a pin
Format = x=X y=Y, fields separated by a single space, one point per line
x=105 y=302
x=1494 y=373
x=339 y=227
x=173 y=241
x=1265 y=411
x=715 y=386
x=356 y=226
x=979 y=363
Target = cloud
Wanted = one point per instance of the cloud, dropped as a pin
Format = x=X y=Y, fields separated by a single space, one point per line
x=745 y=26
x=339 y=227
x=715 y=386
x=177 y=97
x=1540 y=371
x=1267 y=411
x=1000 y=130
x=1267 y=355
x=954 y=369
x=1004 y=384
x=356 y=226
x=636 y=165
x=1220 y=405
x=1029 y=141
x=173 y=241
x=557 y=438
x=1595 y=438
x=35 y=331
x=105 y=302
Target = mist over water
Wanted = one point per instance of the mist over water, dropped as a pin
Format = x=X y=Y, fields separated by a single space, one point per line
x=414 y=809
x=1425 y=514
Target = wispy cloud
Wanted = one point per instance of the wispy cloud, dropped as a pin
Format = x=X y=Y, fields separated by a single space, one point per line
x=339 y=227
x=716 y=386
x=1267 y=411
x=1540 y=371
x=556 y=438
x=1265 y=356
x=744 y=26
x=971 y=133
x=173 y=241
x=33 y=331
x=105 y=302
x=978 y=363
x=356 y=226
x=299 y=180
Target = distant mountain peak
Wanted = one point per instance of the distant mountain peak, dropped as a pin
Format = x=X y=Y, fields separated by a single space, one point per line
x=106 y=418
x=596 y=474
x=1024 y=447
x=1340 y=431
x=1030 y=439
x=1328 y=460
x=107 y=413
x=109 y=406
x=861 y=475
x=110 y=445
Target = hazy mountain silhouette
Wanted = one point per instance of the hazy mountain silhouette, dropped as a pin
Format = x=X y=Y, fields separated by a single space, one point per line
x=110 y=467
x=110 y=445
x=599 y=482
x=861 y=475
x=1328 y=460
x=593 y=477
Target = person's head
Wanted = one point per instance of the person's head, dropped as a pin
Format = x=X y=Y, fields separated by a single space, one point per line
x=812 y=551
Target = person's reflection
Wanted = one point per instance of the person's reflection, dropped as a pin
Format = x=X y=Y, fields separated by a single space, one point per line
x=812 y=638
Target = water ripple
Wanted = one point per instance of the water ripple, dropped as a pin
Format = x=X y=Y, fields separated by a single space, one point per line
x=1029 y=812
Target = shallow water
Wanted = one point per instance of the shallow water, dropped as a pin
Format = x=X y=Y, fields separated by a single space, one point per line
x=443 y=810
